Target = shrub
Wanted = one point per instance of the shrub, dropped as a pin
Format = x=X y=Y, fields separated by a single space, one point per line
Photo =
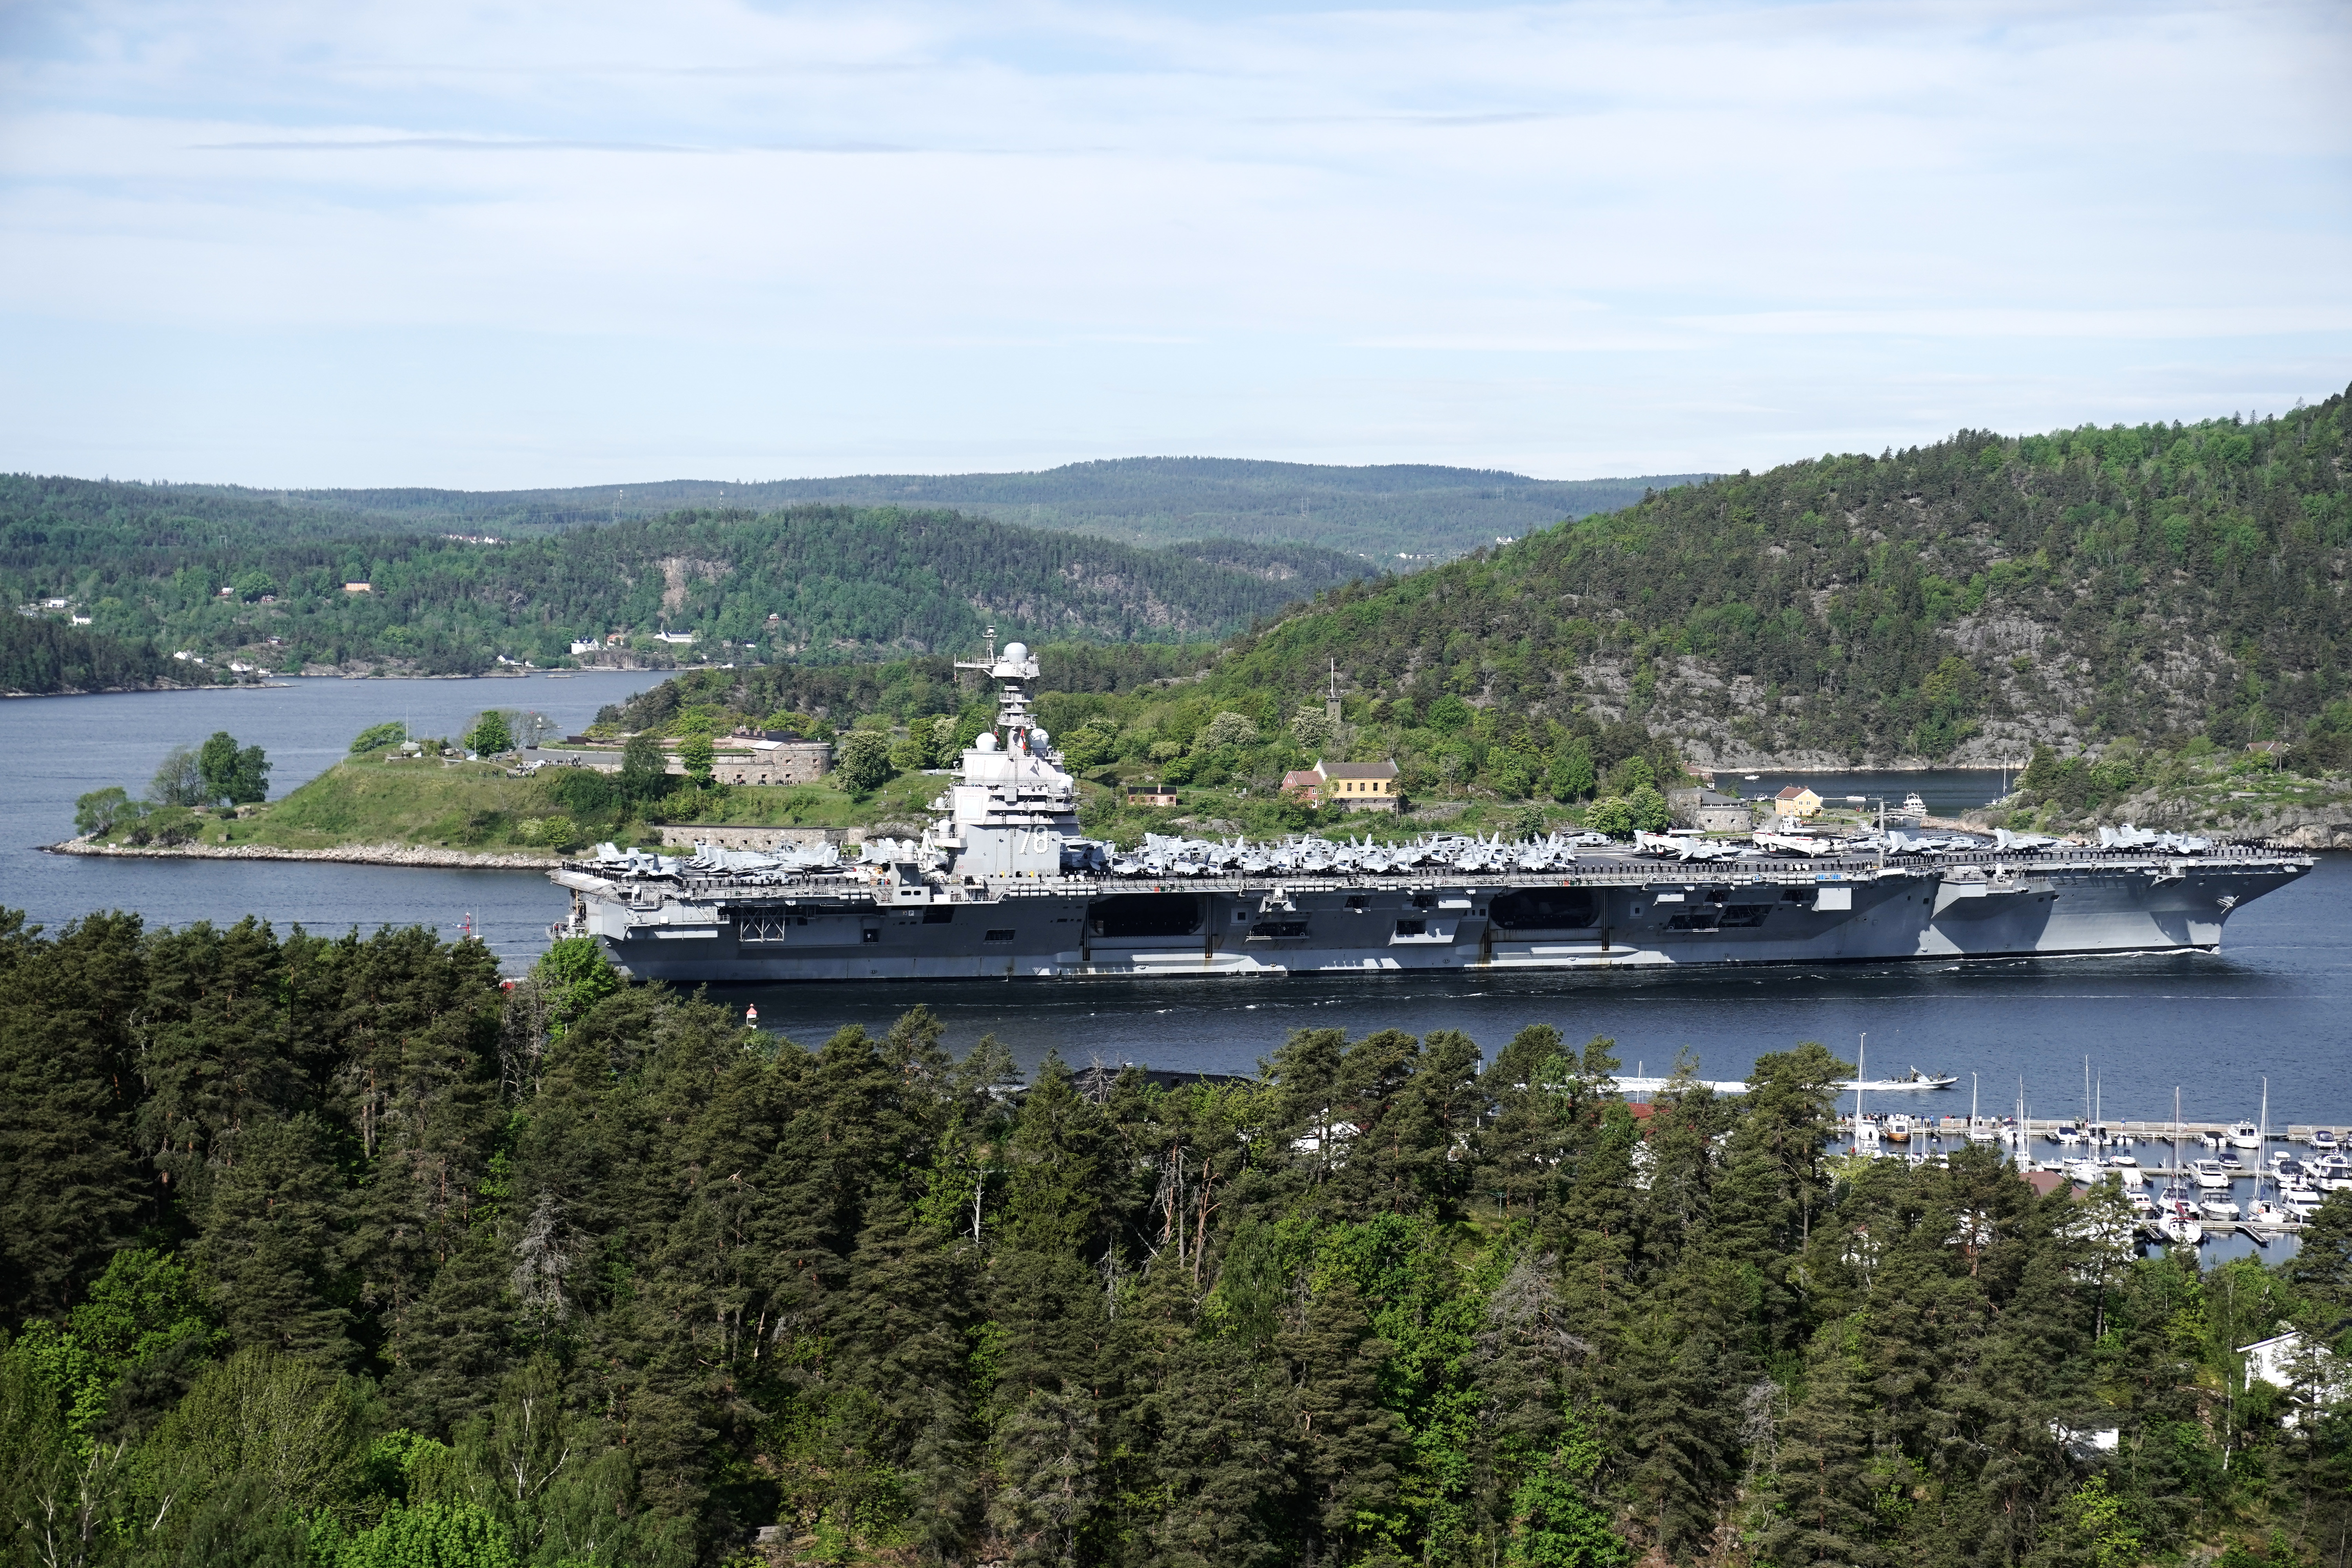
x=104 y=810
x=862 y=761
x=490 y=734
x=583 y=791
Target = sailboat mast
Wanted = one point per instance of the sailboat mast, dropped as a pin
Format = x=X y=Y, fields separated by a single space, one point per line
x=1861 y=1063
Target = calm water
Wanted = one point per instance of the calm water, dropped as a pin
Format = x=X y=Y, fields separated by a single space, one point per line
x=1948 y=791
x=2277 y=1001
x=53 y=749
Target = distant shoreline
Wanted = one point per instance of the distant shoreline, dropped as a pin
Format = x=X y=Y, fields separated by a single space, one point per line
x=351 y=854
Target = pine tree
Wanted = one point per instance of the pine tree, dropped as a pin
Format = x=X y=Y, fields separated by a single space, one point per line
x=1347 y=1443
x=1522 y=1151
x=1045 y=1460
x=270 y=1241
x=1224 y=1476
x=419 y=1085
x=216 y=1056
x=2322 y=1266
x=1819 y=1481
x=71 y=1188
x=457 y=1348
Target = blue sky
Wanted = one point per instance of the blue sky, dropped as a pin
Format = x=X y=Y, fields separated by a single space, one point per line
x=491 y=245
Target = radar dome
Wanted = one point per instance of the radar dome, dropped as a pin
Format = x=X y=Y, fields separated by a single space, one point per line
x=1014 y=652
x=987 y=742
x=1039 y=740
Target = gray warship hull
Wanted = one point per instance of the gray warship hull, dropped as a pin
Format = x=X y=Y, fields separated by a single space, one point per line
x=1611 y=910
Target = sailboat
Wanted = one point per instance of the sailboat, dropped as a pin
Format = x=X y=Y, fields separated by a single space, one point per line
x=2176 y=1208
x=1978 y=1130
x=2262 y=1210
x=1865 y=1135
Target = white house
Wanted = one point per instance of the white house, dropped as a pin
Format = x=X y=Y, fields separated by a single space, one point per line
x=584 y=645
x=2314 y=1376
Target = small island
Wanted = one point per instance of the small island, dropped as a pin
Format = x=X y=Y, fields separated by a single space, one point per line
x=493 y=798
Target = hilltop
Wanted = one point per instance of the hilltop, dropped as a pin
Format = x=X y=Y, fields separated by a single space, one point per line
x=222 y=576
x=2147 y=601
x=1960 y=602
x=1415 y=511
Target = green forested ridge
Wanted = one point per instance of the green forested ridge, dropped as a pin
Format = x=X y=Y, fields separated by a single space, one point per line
x=1965 y=599
x=40 y=655
x=2146 y=600
x=1419 y=511
x=841 y=582
x=329 y=1252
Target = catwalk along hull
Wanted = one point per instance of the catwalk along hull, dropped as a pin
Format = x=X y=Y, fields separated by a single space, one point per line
x=1611 y=912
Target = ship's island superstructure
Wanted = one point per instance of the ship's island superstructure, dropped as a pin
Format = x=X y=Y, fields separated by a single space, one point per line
x=1002 y=884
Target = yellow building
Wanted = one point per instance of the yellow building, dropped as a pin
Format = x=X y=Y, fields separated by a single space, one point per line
x=1797 y=801
x=1360 y=786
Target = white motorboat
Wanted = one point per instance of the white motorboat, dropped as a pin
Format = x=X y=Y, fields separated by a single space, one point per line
x=2333 y=1174
x=2209 y=1176
x=2220 y=1209
x=2126 y=1171
x=2323 y=1139
x=2125 y=1158
x=2177 y=1222
x=2084 y=1170
x=2262 y=1211
x=2245 y=1135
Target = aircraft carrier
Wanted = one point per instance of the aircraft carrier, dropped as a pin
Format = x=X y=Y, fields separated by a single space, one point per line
x=1002 y=884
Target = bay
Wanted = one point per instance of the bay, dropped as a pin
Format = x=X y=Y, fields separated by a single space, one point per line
x=53 y=749
x=2276 y=1002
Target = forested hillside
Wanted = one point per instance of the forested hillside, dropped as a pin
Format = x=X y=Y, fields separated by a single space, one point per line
x=837 y=581
x=2144 y=602
x=43 y=656
x=328 y=1253
x=1959 y=601
x=1419 y=511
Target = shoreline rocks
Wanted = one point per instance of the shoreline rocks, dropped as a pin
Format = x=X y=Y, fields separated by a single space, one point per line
x=350 y=854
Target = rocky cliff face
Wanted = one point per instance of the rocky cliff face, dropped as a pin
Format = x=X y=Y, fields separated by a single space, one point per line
x=2308 y=814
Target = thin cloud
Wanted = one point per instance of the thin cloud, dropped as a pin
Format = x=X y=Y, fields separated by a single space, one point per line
x=530 y=144
x=1561 y=238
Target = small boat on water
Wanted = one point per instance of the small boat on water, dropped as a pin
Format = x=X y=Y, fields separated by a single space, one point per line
x=2245 y=1135
x=2323 y=1139
x=1898 y=1128
x=2331 y=1174
x=1915 y=1079
x=2177 y=1222
x=2209 y=1176
x=2216 y=1209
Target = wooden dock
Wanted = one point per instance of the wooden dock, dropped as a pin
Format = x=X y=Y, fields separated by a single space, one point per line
x=2043 y=1127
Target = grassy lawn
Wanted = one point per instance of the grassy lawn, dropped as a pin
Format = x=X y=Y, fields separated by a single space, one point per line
x=479 y=807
